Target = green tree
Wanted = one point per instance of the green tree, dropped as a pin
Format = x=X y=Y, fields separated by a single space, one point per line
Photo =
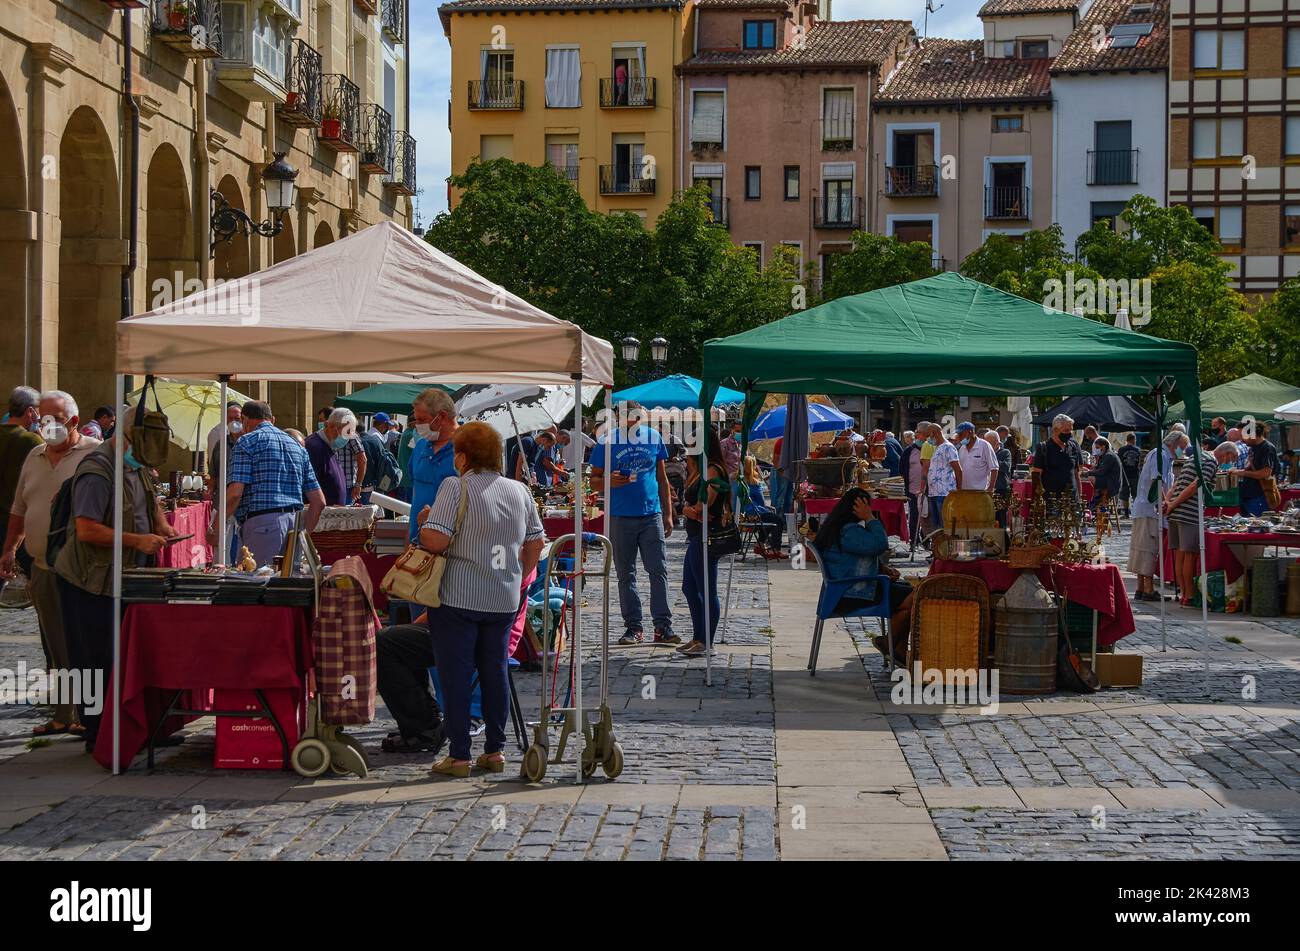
x=877 y=261
x=1279 y=334
x=1031 y=267
x=1152 y=237
x=1194 y=303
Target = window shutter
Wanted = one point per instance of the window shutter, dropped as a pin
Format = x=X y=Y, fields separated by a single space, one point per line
x=707 y=117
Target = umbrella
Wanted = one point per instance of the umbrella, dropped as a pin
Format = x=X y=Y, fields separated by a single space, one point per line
x=387 y=397
x=193 y=407
x=1289 y=412
x=512 y=409
x=821 y=419
x=676 y=391
x=1107 y=413
x=794 y=443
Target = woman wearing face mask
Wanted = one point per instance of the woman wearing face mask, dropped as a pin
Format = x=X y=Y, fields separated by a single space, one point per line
x=1105 y=475
x=488 y=529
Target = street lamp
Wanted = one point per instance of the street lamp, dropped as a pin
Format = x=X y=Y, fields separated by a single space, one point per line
x=278 y=183
x=631 y=349
x=659 y=351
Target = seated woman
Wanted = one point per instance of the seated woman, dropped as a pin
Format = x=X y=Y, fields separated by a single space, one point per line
x=851 y=540
x=757 y=509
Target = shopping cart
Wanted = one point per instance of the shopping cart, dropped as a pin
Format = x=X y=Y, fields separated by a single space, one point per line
x=600 y=748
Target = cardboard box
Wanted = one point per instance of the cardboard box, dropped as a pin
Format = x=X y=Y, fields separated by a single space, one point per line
x=253 y=743
x=1119 y=670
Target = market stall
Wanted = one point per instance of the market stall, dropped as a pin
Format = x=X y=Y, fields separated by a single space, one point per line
x=891 y=512
x=945 y=336
x=190 y=519
x=1253 y=395
x=379 y=305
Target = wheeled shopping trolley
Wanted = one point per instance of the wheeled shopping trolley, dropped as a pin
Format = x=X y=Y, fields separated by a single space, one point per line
x=569 y=715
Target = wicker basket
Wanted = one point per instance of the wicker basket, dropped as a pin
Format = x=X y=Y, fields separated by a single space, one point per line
x=352 y=542
x=950 y=627
x=1031 y=557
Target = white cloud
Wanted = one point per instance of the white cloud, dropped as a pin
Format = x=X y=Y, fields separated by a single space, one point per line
x=431 y=76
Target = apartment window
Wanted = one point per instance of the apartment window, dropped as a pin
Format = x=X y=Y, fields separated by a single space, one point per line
x=1107 y=211
x=1219 y=49
x=1293 y=136
x=495 y=147
x=563 y=78
x=798 y=249
x=1205 y=218
x=913 y=169
x=628 y=176
x=630 y=86
x=757 y=248
x=760 y=34
x=1005 y=193
x=921 y=229
x=1224 y=222
x=1293 y=48
x=1112 y=157
x=792 y=183
x=707 y=112
x=753 y=182
x=838 y=204
x=1129 y=35
x=711 y=179
x=1217 y=138
x=837 y=118
x=1008 y=123
x=1033 y=49
x=562 y=155
x=1291 y=227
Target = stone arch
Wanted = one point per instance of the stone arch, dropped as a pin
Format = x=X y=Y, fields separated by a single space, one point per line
x=324 y=235
x=232 y=258
x=17 y=358
x=90 y=259
x=169 y=232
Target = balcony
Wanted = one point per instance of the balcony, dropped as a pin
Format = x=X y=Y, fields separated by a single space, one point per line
x=366 y=7
x=938 y=263
x=191 y=27
x=496 y=93
x=340 y=125
x=304 y=105
x=377 y=144
x=1006 y=203
x=625 y=180
x=402 y=181
x=911 y=181
x=255 y=43
x=567 y=172
x=720 y=208
x=1113 y=167
x=392 y=18
x=634 y=94
x=837 y=211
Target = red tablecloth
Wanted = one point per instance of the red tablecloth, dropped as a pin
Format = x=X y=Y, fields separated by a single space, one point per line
x=558 y=525
x=1220 y=557
x=892 y=512
x=1100 y=587
x=193 y=552
x=168 y=647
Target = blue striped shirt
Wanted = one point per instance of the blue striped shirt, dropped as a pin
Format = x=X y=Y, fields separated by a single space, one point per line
x=273 y=469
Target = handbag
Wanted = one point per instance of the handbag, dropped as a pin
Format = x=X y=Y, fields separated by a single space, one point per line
x=1271 y=494
x=150 y=432
x=417 y=574
x=725 y=541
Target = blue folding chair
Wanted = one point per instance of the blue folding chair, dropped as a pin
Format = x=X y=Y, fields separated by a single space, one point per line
x=835 y=588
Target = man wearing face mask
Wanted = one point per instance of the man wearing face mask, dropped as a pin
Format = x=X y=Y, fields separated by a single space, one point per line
x=46 y=469
x=17 y=439
x=322 y=448
x=229 y=430
x=433 y=417
x=270 y=479
x=84 y=564
x=1057 y=460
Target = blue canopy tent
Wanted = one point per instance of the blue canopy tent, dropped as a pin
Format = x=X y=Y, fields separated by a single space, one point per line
x=675 y=391
x=821 y=419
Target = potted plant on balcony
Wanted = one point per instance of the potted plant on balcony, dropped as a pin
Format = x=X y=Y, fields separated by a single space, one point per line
x=179 y=15
x=331 y=125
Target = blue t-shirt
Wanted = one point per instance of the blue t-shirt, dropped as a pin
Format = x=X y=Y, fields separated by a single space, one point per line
x=639 y=452
x=428 y=469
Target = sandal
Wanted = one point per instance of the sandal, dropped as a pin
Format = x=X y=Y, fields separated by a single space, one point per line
x=51 y=729
x=491 y=762
x=450 y=767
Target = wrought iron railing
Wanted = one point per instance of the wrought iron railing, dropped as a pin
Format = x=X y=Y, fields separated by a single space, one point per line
x=837 y=211
x=1006 y=201
x=377 y=143
x=189 y=24
x=625 y=179
x=1113 y=167
x=403 y=178
x=496 y=93
x=305 y=98
x=567 y=172
x=938 y=263
x=340 y=125
x=911 y=181
x=392 y=17
x=637 y=92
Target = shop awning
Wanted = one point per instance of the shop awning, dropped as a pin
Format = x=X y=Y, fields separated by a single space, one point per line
x=1252 y=395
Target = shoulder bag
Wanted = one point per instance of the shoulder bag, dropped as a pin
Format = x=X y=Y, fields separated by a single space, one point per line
x=417 y=575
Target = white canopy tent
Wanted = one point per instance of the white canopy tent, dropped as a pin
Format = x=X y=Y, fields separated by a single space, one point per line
x=377 y=306
x=1288 y=411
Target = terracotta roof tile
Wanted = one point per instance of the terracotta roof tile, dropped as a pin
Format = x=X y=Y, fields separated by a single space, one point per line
x=1081 y=55
x=742 y=4
x=995 y=8
x=948 y=70
x=828 y=44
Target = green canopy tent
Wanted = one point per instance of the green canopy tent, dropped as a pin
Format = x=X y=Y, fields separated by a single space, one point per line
x=1252 y=395
x=944 y=336
x=387 y=397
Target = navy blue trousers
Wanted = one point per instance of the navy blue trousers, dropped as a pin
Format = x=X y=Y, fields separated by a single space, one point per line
x=465 y=641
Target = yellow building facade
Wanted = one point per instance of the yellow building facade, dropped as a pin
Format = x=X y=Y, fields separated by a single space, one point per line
x=589 y=89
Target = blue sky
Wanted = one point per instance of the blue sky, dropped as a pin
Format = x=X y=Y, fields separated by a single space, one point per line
x=431 y=76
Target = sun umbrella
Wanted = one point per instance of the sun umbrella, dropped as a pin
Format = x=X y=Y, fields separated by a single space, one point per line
x=193 y=407
x=675 y=391
x=512 y=409
x=821 y=419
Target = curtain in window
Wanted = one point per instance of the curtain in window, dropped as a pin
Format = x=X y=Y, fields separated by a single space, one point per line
x=706 y=118
x=234 y=31
x=563 y=76
x=837 y=118
x=482 y=77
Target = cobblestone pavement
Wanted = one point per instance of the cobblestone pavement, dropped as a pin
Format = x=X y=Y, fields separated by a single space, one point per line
x=114 y=827
x=1159 y=835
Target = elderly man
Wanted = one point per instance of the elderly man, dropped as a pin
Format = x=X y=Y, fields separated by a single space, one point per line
x=322 y=449
x=1234 y=436
x=46 y=469
x=84 y=565
x=943 y=474
x=16 y=440
x=270 y=480
x=228 y=430
x=1144 y=547
x=979 y=463
x=1261 y=464
x=433 y=418
x=387 y=432
x=353 y=461
x=1002 y=482
x=1057 y=460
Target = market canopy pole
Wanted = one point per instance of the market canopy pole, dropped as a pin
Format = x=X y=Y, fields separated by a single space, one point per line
x=119 y=457
x=224 y=451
